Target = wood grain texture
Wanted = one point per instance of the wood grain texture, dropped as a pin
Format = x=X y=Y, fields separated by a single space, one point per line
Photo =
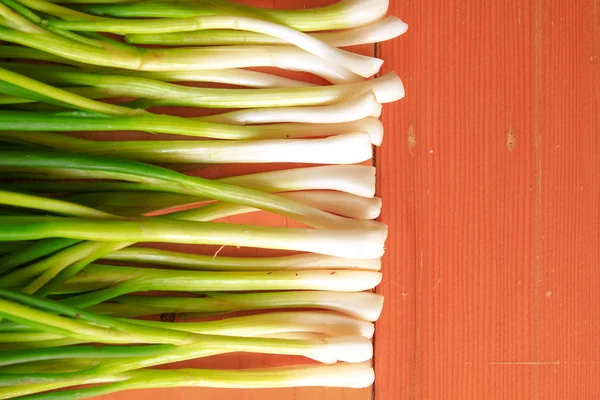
x=489 y=176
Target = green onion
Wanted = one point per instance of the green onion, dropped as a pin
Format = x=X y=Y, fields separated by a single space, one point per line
x=347 y=148
x=240 y=77
x=361 y=65
x=339 y=375
x=338 y=203
x=273 y=325
x=87 y=166
x=125 y=280
x=203 y=262
x=380 y=31
x=31 y=251
x=353 y=243
x=54 y=206
x=63 y=96
x=355 y=179
x=342 y=15
x=32 y=121
x=58 y=260
x=363 y=305
x=387 y=88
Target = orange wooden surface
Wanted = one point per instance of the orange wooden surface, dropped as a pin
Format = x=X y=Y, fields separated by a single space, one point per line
x=490 y=179
x=489 y=174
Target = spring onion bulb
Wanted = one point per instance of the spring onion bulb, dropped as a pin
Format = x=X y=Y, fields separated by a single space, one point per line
x=354 y=179
x=363 y=106
x=379 y=31
x=191 y=261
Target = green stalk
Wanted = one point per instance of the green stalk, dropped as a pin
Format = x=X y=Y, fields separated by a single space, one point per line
x=55 y=262
x=363 y=305
x=58 y=11
x=19 y=357
x=55 y=206
x=88 y=166
x=12 y=247
x=344 y=14
x=32 y=252
x=27 y=53
x=193 y=261
x=55 y=276
x=35 y=19
x=62 y=95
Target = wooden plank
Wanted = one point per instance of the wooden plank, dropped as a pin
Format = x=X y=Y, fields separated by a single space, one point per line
x=491 y=188
x=567 y=236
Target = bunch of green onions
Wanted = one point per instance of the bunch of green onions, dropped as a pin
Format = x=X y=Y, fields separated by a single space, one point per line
x=89 y=294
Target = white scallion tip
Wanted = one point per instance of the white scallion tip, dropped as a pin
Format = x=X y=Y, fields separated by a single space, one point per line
x=363 y=106
x=352 y=349
x=388 y=88
x=377 y=32
x=354 y=179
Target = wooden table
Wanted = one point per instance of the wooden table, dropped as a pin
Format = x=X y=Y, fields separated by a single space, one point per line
x=490 y=176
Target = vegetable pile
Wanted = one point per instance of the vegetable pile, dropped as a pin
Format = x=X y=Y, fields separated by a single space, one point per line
x=89 y=293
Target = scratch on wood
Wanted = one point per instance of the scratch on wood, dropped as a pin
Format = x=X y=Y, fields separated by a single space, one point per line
x=525 y=362
x=511 y=139
x=412 y=138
